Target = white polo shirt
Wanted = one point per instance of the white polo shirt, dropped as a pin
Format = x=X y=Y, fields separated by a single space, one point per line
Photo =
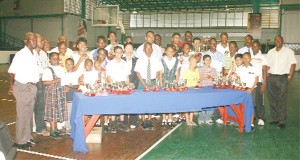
x=69 y=52
x=117 y=71
x=280 y=62
x=76 y=58
x=245 y=49
x=156 y=52
x=170 y=63
x=247 y=75
x=142 y=63
x=25 y=67
x=221 y=49
x=110 y=45
x=58 y=70
x=42 y=61
x=90 y=76
x=258 y=61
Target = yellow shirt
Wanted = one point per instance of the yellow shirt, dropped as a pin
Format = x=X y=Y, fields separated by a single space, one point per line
x=191 y=77
x=62 y=60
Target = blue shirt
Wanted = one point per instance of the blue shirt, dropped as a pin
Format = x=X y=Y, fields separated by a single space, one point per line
x=217 y=56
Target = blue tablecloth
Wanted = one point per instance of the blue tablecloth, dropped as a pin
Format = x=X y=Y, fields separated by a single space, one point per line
x=153 y=102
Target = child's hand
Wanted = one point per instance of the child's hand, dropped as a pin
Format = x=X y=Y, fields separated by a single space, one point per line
x=263 y=88
x=66 y=89
x=249 y=90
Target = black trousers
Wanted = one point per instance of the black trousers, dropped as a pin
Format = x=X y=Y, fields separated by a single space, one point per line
x=133 y=118
x=278 y=95
x=258 y=102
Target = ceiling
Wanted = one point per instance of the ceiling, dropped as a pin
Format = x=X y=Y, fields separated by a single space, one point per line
x=175 y=5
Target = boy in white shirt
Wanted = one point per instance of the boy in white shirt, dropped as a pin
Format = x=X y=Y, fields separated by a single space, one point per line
x=81 y=55
x=117 y=71
x=260 y=64
x=223 y=46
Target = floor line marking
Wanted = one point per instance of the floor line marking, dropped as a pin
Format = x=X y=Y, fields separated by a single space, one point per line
x=156 y=143
x=45 y=154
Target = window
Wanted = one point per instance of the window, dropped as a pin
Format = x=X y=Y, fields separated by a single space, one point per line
x=232 y=18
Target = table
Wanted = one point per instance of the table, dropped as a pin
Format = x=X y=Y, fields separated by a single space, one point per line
x=140 y=102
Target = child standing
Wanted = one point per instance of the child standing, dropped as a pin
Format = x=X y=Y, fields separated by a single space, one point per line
x=184 y=58
x=101 y=43
x=207 y=73
x=81 y=55
x=117 y=71
x=62 y=48
x=55 y=97
x=192 y=76
x=169 y=73
x=71 y=88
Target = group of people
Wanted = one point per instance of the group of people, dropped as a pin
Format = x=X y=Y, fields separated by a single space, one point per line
x=43 y=81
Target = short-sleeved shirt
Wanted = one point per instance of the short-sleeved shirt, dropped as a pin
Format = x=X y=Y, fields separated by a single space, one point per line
x=191 y=77
x=229 y=61
x=69 y=52
x=110 y=45
x=25 y=67
x=247 y=75
x=156 y=52
x=258 y=61
x=221 y=49
x=48 y=76
x=207 y=71
x=62 y=61
x=42 y=61
x=280 y=61
x=217 y=60
x=118 y=71
x=171 y=63
x=184 y=60
x=90 y=76
x=142 y=63
x=245 y=49
x=76 y=58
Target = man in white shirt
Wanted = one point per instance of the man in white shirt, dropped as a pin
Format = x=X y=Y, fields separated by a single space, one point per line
x=147 y=69
x=23 y=76
x=248 y=45
x=39 y=107
x=63 y=38
x=281 y=65
x=223 y=46
x=112 y=37
x=259 y=62
x=156 y=49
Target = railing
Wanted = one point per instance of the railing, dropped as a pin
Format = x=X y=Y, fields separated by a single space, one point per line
x=10 y=42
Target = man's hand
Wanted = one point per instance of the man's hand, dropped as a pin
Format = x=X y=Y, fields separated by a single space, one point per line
x=262 y=88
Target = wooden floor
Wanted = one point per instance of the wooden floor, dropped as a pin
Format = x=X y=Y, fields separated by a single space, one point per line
x=114 y=146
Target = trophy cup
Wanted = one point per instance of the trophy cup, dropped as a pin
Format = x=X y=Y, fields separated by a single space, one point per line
x=156 y=87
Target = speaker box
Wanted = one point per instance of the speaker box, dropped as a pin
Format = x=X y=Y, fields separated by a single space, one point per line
x=6 y=142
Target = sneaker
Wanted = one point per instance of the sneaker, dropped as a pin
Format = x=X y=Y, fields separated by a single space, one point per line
x=112 y=127
x=106 y=129
x=150 y=126
x=209 y=122
x=201 y=122
x=25 y=146
x=55 y=134
x=183 y=119
x=31 y=141
x=44 y=133
x=171 y=124
x=164 y=124
x=261 y=122
x=124 y=127
x=132 y=126
x=192 y=123
x=252 y=127
x=219 y=121
x=144 y=126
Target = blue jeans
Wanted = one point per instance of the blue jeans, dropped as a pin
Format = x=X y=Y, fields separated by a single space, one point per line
x=39 y=108
x=205 y=115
